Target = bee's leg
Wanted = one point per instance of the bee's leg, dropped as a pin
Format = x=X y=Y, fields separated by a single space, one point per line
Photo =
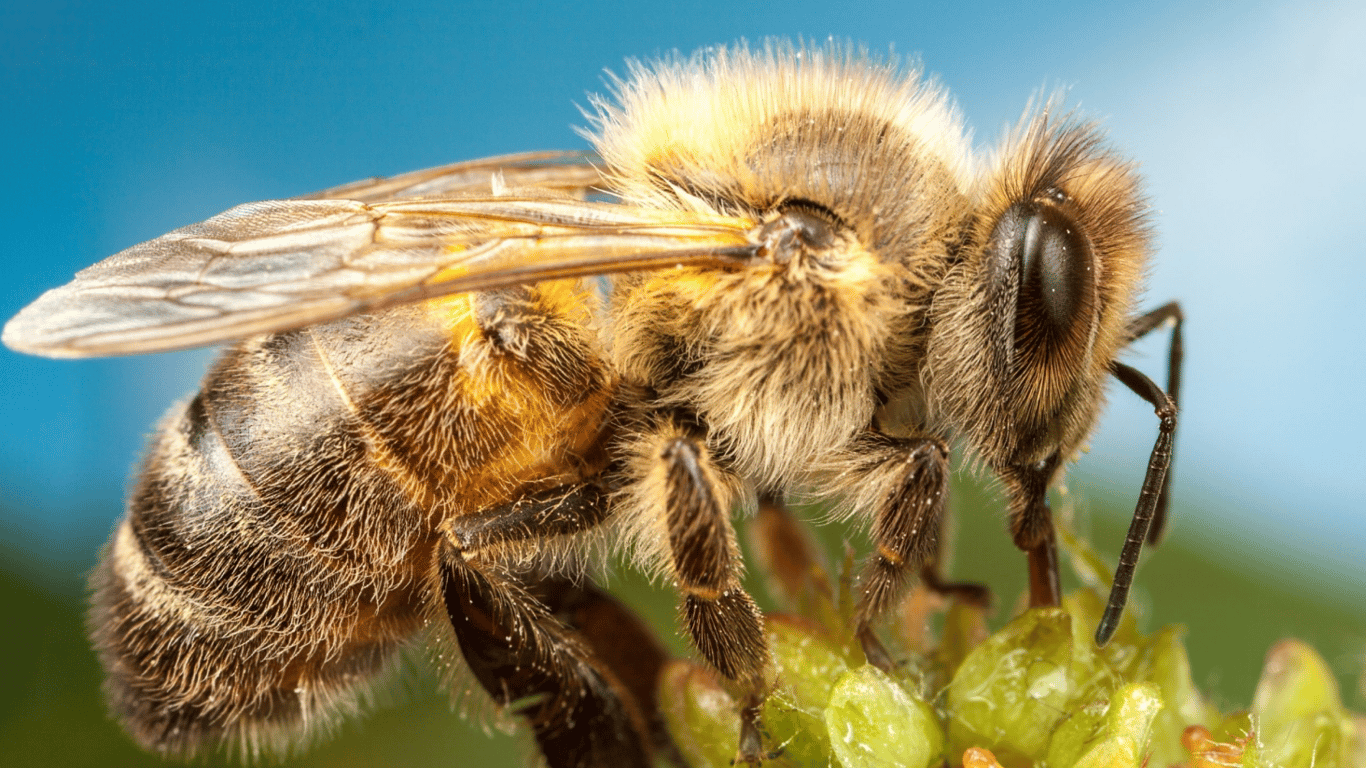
x=963 y=591
x=534 y=518
x=1140 y=327
x=1031 y=527
x=904 y=482
x=580 y=713
x=620 y=640
x=788 y=556
x=1149 y=496
x=679 y=483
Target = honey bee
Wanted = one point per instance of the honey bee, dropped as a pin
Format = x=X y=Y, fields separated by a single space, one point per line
x=433 y=406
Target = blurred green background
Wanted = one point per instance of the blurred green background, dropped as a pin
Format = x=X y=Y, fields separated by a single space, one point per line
x=1235 y=603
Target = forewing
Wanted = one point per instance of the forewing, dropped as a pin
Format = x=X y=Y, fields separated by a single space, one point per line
x=570 y=173
x=276 y=265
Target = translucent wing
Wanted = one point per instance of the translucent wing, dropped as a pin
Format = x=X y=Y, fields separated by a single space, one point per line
x=282 y=264
x=571 y=173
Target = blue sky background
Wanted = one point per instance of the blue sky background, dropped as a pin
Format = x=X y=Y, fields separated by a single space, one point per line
x=127 y=120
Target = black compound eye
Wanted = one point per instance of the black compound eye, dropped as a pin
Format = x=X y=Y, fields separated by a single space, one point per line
x=1057 y=279
x=1042 y=275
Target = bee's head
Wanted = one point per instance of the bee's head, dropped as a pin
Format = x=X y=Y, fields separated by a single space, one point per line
x=1030 y=317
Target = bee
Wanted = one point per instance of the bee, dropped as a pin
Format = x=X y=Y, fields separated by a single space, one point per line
x=432 y=406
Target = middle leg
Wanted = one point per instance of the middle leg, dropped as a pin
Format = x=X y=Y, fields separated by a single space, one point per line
x=685 y=499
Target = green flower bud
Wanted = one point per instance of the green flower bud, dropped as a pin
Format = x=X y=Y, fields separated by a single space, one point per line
x=807 y=665
x=1015 y=689
x=1298 y=710
x=1162 y=659
x=1125 y=734
x=1036 y=693
x=875 y=723
x=699 y=713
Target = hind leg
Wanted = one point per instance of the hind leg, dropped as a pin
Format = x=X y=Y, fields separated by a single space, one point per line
x=584 y=707
x=621 y=641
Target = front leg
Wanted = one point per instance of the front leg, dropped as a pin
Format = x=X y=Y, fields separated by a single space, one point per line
x=903 y=483
x=1031 y=527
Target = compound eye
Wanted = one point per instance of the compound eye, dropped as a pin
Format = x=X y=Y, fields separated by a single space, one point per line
x=1057 y=271
x=1042 y=275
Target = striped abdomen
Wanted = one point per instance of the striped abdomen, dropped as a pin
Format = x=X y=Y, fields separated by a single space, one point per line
x=279 y=543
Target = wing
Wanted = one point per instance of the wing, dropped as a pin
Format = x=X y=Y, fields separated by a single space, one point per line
x=276 y=265
x=571 y=173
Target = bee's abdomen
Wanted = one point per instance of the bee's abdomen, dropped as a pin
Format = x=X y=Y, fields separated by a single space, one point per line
x=279 y=540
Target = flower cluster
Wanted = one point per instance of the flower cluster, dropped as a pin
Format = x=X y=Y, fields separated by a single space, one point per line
x=1038 y=692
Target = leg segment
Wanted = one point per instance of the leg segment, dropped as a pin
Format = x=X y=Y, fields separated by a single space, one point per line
x=620 y=641
x=906 y=528
x=1154 y=484
x=557 y=511
x=788 y=556
x=523 y=638
x=680 y=484
x=1031 y=527
x=722 y=618
x=904 y=482
x=965 y=591
x=579 y=712
x=1142 y=326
